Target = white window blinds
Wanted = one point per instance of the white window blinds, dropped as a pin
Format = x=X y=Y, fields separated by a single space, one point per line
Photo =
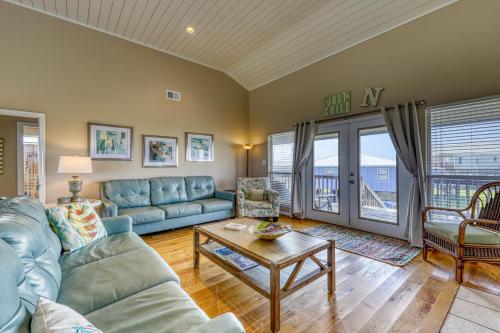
x=281 y=164
x=463 y=149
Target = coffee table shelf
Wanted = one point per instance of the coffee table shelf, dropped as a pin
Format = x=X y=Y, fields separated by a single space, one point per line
x=285 y=265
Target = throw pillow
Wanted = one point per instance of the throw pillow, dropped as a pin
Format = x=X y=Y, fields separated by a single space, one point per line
x=51 y=317
x=76 y=225
x=257 y=195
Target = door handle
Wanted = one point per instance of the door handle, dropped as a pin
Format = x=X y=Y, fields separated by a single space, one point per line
x=351 y=182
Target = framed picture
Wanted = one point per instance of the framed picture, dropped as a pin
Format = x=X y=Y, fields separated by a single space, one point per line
x=110 y=142
x=159 y=151
x=199 y=147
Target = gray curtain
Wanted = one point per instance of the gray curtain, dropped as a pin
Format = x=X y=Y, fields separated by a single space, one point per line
x=303 y=145
x=402 y=124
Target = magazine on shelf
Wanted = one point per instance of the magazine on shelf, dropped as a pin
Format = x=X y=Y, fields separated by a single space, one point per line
x=233 y=258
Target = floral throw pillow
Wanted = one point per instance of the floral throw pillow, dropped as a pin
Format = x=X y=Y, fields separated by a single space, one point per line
x=76 y=225
x=51 y=317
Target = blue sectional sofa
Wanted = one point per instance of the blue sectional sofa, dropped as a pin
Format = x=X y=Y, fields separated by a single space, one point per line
x=164 y=203
x=118 y=283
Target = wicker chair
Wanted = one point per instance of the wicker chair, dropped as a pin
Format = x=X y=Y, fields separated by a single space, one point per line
x=476 y=238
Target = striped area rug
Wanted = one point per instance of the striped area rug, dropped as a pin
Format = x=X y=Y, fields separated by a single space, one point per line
x=387 y=249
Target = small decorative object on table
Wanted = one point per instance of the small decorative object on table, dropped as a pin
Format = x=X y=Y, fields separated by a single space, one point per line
x=235 y=226
x=269 y=230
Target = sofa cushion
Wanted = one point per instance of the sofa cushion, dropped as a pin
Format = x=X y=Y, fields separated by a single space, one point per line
x=92 y=286
x=141 y=215
x=181 y=209
x=24 y=226
x=473 y=235
x=200 y=187
x=128 y=193
x=162 y=308
x=102 y=248
x=167 y=190
x=215 y=205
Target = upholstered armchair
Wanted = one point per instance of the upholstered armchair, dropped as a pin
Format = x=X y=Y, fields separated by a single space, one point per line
x=255 y=198
x=471 y=234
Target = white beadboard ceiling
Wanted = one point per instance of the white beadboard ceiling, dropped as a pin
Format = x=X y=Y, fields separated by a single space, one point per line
x=253 y=41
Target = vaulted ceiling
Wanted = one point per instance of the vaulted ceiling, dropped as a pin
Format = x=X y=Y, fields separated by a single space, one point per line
x=253 y=41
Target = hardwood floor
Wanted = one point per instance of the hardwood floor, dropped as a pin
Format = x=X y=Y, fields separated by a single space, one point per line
x=371 y=296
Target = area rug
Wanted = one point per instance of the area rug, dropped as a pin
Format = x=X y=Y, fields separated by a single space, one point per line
x=387 y=249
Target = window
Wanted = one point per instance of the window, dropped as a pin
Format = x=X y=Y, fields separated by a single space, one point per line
x=463 y=140
x=383 y=174
x=280 y=165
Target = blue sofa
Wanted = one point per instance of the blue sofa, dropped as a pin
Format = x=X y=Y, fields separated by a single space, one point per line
x=164 y=203
x=118 y=283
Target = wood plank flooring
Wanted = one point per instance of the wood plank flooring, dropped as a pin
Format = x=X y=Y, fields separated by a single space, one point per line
x=371 y=296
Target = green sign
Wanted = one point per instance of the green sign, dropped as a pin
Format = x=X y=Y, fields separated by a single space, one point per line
x=338 y=104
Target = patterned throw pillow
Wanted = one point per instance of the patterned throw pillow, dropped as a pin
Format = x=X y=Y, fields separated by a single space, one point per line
x=76 y=225
x=51 y=317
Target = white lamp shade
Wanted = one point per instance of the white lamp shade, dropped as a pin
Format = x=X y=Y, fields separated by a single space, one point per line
x=74 y=164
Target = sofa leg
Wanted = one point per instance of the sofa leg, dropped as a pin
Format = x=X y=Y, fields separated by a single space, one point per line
x=424 y=251
x=459 y=273
x=275 y=218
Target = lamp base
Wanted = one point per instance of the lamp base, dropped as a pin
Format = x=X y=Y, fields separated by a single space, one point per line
x=75 y=187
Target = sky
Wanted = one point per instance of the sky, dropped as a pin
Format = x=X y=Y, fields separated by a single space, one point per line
x=378 y=145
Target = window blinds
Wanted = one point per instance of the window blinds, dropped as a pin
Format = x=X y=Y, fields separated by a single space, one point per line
x=281 y=165
x=281 y=152
x=463 y=149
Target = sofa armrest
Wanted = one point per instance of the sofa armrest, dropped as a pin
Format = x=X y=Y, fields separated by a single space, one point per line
x=226 y=323
x=117 y=224
x=109 y=208
x=225 y=195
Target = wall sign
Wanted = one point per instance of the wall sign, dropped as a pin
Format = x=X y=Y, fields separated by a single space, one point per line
x=371 y=96
x=338 y=104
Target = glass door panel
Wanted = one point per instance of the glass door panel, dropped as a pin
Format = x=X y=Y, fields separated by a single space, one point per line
x=327 y=177
x=326 y=173
x=378 y=175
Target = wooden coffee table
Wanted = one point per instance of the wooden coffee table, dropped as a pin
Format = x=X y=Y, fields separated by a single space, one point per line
x=285 y=264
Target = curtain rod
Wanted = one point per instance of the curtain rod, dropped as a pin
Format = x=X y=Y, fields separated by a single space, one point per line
x=377 y=111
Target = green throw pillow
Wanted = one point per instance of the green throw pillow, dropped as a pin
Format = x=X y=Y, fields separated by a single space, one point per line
x=257 y=195
x=76 y=225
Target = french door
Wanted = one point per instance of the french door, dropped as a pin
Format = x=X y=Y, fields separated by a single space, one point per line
x=355 y=179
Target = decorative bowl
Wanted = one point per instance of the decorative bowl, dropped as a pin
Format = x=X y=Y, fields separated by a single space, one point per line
x=269 y=230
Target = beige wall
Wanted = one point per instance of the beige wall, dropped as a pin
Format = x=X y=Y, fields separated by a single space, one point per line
x=76 y=75
x=8 y=131
x=452 y=54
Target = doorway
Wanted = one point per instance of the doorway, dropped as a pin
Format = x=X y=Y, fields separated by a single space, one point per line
x=22 y=158
x=355 y=178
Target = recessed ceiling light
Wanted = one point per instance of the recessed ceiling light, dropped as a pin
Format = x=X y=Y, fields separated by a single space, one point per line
x=190 y=30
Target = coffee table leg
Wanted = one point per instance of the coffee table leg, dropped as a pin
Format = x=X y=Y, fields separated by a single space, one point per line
x=331 y=264
x=275 y=298
x=196 y=244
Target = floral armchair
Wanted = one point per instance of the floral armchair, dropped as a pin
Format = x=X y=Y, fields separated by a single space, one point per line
x=255 y=198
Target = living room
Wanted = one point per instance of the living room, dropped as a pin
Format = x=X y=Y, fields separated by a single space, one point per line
x=338 y=122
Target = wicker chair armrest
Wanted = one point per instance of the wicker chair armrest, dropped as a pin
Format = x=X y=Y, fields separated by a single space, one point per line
x=466 y=222
x=430 y=208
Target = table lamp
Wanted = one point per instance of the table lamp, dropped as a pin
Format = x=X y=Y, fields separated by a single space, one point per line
x=75 y=165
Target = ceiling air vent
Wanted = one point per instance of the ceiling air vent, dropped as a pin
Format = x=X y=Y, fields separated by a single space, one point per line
x=173 y=95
